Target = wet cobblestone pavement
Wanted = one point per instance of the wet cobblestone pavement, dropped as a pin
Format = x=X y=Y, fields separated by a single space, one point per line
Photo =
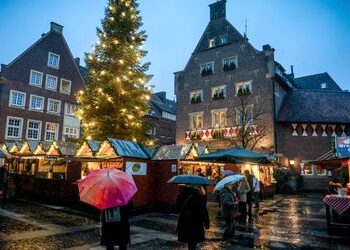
x=287 y=222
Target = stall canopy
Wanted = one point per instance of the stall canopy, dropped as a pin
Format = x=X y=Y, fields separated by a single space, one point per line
x=112 y=148
x=236 y=155
x=330 y=161
x=179 y=152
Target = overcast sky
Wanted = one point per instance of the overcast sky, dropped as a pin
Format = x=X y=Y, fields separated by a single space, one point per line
x=312 y=35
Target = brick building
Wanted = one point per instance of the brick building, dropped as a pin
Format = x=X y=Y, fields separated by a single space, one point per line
x=162 y=118
x=301 y=115
x=37 y=91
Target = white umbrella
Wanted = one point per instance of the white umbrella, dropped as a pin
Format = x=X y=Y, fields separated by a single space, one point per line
x=231 y=179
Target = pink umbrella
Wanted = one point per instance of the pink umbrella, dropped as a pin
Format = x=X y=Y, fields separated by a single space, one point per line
x=106 y=188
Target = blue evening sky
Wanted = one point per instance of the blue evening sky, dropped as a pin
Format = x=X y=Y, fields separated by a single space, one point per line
x=313 y=35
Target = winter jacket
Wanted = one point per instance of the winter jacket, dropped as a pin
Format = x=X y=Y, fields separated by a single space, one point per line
x=227 y=200
x=193 y=216
x=117 y=233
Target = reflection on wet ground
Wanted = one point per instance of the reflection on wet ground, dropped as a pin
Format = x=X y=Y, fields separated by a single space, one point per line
x=287 y=222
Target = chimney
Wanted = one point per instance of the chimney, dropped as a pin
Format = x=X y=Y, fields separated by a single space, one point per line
x=291 y=72
x=55 y=27
x=77 y=61
x=270 y=54
x=2 y=67
x=217 y=10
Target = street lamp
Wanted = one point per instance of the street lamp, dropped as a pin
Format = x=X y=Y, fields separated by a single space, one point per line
x=291 y=162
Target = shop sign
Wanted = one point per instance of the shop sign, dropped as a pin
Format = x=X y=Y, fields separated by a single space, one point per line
x=136 y=168
x=173 y=168
x=342 y=146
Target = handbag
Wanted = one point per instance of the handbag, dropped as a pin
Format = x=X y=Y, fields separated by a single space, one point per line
x=112 y=215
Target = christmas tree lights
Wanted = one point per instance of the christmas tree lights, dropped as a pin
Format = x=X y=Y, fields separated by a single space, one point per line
x=116 y=96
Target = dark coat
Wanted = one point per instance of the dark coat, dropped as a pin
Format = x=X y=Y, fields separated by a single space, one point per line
x=117 y=233
x=228 y=201
x=193 y=216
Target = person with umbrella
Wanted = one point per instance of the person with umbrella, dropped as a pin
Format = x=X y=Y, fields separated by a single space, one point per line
x=193 y=217
x=229 y=201
x=192 y=208
x=110 y=190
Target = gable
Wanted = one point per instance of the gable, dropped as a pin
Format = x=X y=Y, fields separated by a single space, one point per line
x=36 y=58
x=84 y=151
x=106 y=151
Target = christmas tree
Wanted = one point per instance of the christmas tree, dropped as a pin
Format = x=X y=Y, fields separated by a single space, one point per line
x=116 y=96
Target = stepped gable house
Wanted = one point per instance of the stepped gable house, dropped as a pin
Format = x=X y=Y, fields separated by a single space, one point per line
x=37 y=91
x=300 y=114
x=162 y=118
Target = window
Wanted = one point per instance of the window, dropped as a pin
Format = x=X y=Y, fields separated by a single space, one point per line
x=196 y=120
x=230 y=63
x=14 y=127
x=51 y=82
x=323 y=85
x=218 y=93
x=224 y=39
x=65 y=86
x=207 y=69
x=244 y=88
x=53 y=106
x=196 y=96
x=51 y=131
x=244 y=115
x=70 y=109
x=169 y=116
x=211 y=42
x=53 y=60
x=36 y=102
x=152 y=131
x=17 y=99
x=218 y=118
x=34 y=130
x=71 y=132
x=36 y=78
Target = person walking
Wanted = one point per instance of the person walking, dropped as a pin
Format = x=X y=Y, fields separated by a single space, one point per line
x=256 y=191
x=116 y=227
x=249 y=178
x=193 y=217
x=229 y=201
x=243 y=190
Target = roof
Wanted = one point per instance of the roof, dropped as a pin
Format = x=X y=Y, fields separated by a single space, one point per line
x=172 y=152
x=160 y=103
x=314 y=82
x=130 y=149
x=32 y=145
x=4 y=154
x=310 y=106
x=94 y=145
x=201 y=149
x=236 y=155
x=66 y=148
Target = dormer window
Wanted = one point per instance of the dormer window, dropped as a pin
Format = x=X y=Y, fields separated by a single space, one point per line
x=196 y=96
x=323 y=85
x=218 y=93
x=211 y=42
x=207 y=69
x=224 y=39
x=53 y=60
x=230 y=63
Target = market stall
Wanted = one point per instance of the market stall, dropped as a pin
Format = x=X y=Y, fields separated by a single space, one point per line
x=258 y=164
